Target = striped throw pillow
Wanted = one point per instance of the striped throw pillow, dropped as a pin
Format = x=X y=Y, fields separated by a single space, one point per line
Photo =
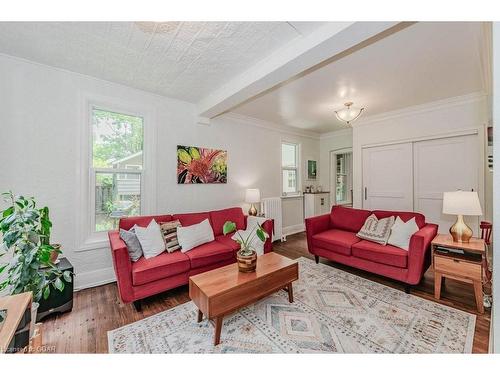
x=376 y=230
x=169 y=232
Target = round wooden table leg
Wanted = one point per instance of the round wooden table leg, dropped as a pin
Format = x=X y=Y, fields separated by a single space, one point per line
x=290 y=293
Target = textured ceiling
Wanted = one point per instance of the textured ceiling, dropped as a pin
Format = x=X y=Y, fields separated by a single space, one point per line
x=184 y=60
x=422 y=63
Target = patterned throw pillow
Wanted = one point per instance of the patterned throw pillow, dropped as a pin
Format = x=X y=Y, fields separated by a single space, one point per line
x=376 y=230
x=169 y=231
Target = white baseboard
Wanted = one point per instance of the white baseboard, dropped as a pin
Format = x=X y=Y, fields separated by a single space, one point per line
x=94 y=278
x=292 y=229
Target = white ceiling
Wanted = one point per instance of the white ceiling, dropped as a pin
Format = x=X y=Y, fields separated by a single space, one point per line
x=420 y=64
x=184 y=60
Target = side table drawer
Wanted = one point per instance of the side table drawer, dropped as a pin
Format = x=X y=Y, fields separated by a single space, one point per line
x=457 y=267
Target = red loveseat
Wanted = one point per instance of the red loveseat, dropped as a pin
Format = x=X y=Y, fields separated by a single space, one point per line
x=146 y=277
x=333 y=236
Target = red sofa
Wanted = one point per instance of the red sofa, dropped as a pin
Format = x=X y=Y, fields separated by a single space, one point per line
x=146 y=277
x=333 y=236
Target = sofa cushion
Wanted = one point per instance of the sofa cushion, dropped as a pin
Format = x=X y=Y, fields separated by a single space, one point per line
x=142 y=221
x=228 y=241
x=164 y=265
x=218 y=218
x=390 y=255
x=404 y=215
x=192 y=218
x=209 y=253
x=336 y=240
x=350 y=219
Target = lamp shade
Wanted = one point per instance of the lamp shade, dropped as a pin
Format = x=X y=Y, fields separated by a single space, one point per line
x=461 y=203
x=252 y=196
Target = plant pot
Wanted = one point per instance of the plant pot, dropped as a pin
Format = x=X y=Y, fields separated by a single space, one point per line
x=34 y=310
x=54 y=254
x=247 y=263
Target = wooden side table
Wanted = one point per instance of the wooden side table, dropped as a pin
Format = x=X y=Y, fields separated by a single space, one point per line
x=467 y=267
x=18 y=318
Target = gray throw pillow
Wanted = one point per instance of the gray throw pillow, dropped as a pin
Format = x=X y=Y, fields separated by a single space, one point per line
x=133 y=245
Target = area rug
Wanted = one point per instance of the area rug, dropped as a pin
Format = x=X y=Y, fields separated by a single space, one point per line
x=333 y=312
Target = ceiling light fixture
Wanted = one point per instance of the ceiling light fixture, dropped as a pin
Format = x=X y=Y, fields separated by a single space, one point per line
x=348 y=114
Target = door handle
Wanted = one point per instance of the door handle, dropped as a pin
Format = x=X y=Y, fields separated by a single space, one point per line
x=366 y=193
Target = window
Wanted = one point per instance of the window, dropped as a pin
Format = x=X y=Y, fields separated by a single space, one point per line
x=116 y=168
x=289 y=168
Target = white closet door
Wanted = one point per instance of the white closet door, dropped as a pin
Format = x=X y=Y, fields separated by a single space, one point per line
x=440 y=165
x=388 y=177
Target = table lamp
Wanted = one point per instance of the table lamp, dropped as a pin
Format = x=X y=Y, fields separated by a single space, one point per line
x=252 y=196
x=461 y=203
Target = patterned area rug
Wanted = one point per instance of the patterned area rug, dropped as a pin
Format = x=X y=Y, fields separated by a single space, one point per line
x=334 y=312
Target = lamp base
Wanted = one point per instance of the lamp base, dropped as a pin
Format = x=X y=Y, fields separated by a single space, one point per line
x=460 y=231
x=253 y=210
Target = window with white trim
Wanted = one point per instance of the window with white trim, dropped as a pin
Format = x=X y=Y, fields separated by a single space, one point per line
x=290 y=168
x=116 y=167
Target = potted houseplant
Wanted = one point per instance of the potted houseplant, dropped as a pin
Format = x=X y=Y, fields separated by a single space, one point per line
x=45 y=230
x=30 y=269
x=246 y=256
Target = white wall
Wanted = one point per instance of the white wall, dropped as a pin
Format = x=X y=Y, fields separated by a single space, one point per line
x=429 y=120
x=40 y=115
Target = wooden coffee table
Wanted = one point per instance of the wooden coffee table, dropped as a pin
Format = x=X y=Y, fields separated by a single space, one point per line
x=221 y=291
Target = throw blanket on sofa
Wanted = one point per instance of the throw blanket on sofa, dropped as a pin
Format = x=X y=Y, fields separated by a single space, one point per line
x=252 y=222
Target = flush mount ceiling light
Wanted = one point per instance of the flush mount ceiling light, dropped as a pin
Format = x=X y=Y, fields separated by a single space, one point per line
x=349 y=113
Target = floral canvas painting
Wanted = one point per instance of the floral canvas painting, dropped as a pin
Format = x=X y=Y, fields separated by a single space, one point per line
x=198 y=165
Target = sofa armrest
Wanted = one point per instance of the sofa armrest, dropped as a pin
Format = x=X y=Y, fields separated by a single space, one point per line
x=315 y=225
x=268 y=227
x=419 y=252
x=122 y=265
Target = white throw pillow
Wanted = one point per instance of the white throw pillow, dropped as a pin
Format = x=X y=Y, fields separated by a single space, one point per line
x=195 y=235
x=401 y=233
x=151 y=239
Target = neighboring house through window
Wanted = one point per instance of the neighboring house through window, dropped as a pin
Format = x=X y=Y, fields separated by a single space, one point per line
x=289 y=168
x=116 y=168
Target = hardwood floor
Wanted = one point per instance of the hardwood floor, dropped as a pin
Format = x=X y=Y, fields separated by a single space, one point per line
x=98 y=310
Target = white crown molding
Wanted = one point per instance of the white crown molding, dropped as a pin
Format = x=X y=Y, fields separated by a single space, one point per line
x=336 y=133
x=269 y=125
x=423 y=108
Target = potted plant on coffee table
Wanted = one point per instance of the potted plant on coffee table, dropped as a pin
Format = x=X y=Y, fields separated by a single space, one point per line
x=246 y=256
x=30 y=268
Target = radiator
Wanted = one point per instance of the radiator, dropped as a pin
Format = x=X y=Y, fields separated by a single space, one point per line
x=271 y=208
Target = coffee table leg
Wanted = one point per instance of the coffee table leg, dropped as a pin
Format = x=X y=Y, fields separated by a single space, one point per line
x=218 y=328
x=290 y=293
x=200 y=316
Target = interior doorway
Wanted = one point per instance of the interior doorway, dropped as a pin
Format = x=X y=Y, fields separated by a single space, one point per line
x=341 y=177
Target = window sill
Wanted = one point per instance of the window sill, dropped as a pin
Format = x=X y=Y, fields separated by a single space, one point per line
x=93 y=244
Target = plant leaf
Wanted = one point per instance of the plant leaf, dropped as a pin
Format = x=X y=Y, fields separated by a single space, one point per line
x=261 y=235
x=228 y=227
x=58 y=284
x=46 y=292
x=67 y=276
